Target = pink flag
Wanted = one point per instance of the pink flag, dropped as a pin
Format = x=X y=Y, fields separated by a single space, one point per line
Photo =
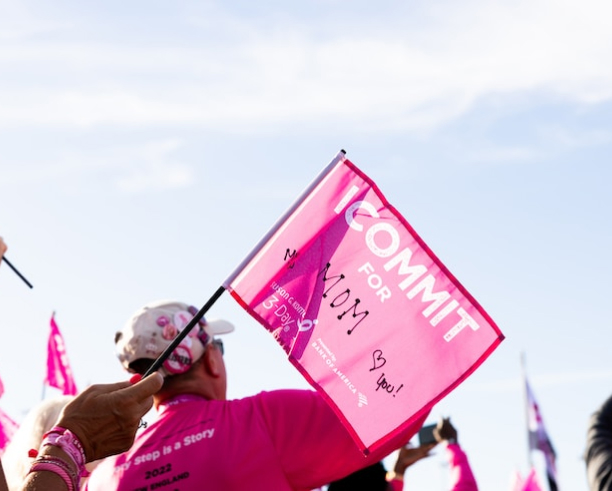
x=59 y=373
x=538 y=437
x=8 y=427
x=531 y=483
x=364 y=309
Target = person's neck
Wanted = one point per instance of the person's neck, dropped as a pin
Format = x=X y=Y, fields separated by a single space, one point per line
x=177 y=387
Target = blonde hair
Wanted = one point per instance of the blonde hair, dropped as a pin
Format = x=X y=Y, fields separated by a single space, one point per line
x=37 y=422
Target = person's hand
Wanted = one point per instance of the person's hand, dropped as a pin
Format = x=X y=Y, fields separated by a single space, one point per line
x=409 y=455
x=3 y=247
x=105 y=417
x=445 y=431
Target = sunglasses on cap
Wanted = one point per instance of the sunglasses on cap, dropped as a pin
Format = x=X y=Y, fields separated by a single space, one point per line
x=219 y=344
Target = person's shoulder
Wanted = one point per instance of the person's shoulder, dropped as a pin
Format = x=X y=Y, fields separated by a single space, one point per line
x=279 y=398
x=289 y=395
x=279 y=394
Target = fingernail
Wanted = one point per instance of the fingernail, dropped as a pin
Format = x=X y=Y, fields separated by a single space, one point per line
x=134 y=379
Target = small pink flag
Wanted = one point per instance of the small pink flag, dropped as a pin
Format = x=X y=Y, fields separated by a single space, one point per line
x=59 y=373
x=531 y=483
x=364 y=309
x=8 y=427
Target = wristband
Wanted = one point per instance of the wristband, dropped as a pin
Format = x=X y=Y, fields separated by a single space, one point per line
x=69 y=443
x=57 y=466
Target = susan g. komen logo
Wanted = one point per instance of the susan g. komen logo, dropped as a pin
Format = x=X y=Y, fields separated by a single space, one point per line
x=306 y=324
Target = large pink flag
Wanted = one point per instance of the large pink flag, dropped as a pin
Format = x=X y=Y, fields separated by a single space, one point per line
x=59 y=373
x=364 y=309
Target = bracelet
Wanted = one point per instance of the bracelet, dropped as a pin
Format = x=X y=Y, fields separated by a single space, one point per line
x=69 y=443
x=394 y=476
x=57 y=466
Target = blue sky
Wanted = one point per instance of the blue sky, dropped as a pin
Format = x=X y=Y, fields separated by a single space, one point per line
x=146 y=147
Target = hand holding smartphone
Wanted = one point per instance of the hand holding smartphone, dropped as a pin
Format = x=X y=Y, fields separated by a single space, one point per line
x=426 y=435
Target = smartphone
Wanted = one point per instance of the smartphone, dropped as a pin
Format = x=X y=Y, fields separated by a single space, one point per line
x=426 y=435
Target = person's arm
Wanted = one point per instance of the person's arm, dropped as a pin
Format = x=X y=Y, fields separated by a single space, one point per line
x=101 y=421
x=3 y=485
x=462 y=477
x=405 y=458
x=598 y=454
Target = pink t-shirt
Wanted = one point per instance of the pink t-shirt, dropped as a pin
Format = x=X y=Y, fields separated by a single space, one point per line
x=273 y=441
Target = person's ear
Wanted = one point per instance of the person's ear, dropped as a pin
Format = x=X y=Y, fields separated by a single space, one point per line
x=212 y=362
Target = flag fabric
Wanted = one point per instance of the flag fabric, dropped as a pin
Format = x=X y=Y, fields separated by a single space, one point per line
x=59 y=373
x=531 y=482
x=528 y=484
x=364 y=309
x=538 y=437
x=8 y=427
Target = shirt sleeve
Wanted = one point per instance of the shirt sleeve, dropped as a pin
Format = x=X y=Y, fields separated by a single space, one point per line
x=396 y=485
x=462 y=478
x=313 y=445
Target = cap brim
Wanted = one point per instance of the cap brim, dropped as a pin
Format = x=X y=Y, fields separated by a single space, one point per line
x=219 y=326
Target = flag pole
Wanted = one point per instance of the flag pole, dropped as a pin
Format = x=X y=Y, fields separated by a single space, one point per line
x=16 y=271
x=526 y=400
x=181 y=335
x=44 y=387
x=226 y=284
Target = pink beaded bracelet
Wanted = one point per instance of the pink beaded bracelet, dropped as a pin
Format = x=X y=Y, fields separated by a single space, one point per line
x=69 y=443
x=57 y=466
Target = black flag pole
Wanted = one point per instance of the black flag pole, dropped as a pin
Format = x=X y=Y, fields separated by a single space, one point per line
x=181 y=335
x=16 y=271
x=226 y=284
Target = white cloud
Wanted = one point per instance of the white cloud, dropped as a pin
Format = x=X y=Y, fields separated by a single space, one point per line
x=156 y=177
x=17 y=21
x=139 y=168
x=381 y=79
x=151 y=168
x=565 y=139
x=155 y=170
x=503 y=154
